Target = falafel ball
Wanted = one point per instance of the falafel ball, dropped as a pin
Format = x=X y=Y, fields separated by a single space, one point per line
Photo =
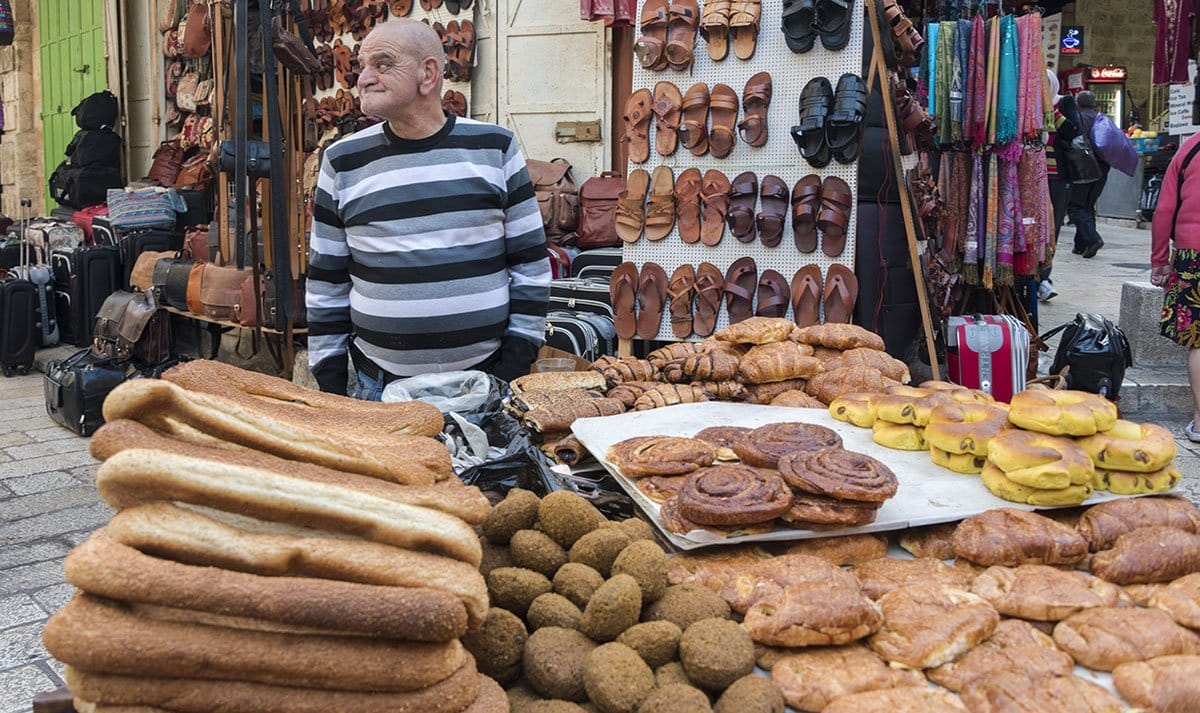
x=534 y=550
x=657 y=642
x=494 y=556
x=520 y=697
x=566 y=516
x=518 y=511
x=552 y=609
x=498 y=644
x=646 y=562
x=552 y=706
x=715 y=653
x=577 y=582
x=515 y=588
x=599 y=548
x=637 y=529
x=676 y=698
x=751 y=694
x=614 y=607
x=616 y=678
x=670 y=673
x=685 y=604
x=554 y=660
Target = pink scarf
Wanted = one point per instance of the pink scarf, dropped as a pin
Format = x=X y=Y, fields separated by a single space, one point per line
x=1031 y=247
x=1031 y=75
x=975 y=123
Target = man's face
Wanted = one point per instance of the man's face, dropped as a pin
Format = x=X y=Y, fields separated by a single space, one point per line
x=390 y=79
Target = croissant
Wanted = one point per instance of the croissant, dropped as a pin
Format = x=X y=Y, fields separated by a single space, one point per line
x=886 y=365
x=778 y=361
x=674 y=373
x=673 y=351
x=622 y=369
x=838 y=336
x=669 y=395
x=723 y=390
x=1103 y=524
x=628 y=392
x=830 y=385
x=766 y=393
x=757 y=330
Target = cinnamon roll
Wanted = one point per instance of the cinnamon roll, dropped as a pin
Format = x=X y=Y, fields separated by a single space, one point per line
x=660 y=455
x=660 y=488
x=764 y=446
x=840 y=474
x=726 y=495
x=722 y=439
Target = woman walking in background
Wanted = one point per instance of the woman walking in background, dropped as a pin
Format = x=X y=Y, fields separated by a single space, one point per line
x=1066 y=128
x=1081 y=205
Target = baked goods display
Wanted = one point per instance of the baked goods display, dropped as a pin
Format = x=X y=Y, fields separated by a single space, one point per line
x=1037 y=469
x=1009 y=537
x=927 y=625
x=1105 y=637
x=1166 y=683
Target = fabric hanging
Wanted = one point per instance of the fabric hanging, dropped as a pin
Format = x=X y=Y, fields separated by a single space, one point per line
x=976 y=217
x=991 y=237
x=931 y=44
x=945 y=75
x=1008 y=219
x=1172 y=40
x=993 y=64
x=977 y=116
x=1006 y=119
x=958 y=79
x=1031 y=245
x=1032 y=76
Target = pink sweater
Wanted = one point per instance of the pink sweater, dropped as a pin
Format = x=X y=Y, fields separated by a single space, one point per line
x=1187 y=228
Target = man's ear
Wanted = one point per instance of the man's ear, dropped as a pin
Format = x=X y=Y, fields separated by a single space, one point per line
x=430 y=76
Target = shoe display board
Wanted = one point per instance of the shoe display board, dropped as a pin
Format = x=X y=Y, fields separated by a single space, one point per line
x=789 y=75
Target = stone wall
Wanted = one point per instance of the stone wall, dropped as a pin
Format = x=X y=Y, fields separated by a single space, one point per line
x=21 y=145
x=1119 y=32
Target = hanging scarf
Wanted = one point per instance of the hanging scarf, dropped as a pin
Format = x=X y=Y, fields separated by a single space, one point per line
x=1006 y=122
x=993 y=65
x=931 y=43
x=991 y=238
x=958 y=79
x=1031 y=247
x=958 y=196
x=1032 y=74
x=977 y=92
x=945 y=64
x=976 y=217
x=1008 y=219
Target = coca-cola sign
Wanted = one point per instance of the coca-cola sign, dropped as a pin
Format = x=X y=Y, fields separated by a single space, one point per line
x=1108 y=74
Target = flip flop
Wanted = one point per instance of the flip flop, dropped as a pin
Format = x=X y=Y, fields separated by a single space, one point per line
x=723 y=114
x=806 y=296
x=660 y=207
x=714 y=28
x=771 y=218
x=843 y=130
x=622 y=290
x=740 y=282
x=652 y=297
x=453 y=6
x=714 y=196
x=710 y=288
x=816 y=104
x=743 y=197
x=841 y=291
x=756 y=99
x=806 y=203
x=832 y=20
x=744 y=18
x=836 y=203
x=637 y=125
x=650 y=48
x=681 y=290
x=631 y=206
x=687 y=205
x=799 y=28
x=773 y=295
x=693 y=131
x=681 y=34
x=668 y=110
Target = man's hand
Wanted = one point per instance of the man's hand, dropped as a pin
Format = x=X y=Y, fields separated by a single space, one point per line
x=1160 y=275
x=516 y=356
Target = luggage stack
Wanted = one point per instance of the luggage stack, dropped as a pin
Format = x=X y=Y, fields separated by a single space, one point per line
x=93 y=158
x=28 y=320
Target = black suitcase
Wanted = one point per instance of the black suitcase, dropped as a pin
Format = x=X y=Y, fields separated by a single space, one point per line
x=83 y=186
x=148 y=239
x=581 y=295
x=75 y=389
x=584 y=334
x=103 y=232
x=598 y=263
x=198 y=211
x=95 y=147
x=20 y=330
x=83 y=279
x=10 y=253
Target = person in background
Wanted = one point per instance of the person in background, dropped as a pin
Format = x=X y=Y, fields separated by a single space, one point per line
x=427 y=250
x=1176 y=228
x=1081 y=205
x=1066 y=128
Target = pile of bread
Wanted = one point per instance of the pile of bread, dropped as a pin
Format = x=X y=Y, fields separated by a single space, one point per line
x=996 y=611
x=1044 y=448
x=761 y=360
x=276 y=550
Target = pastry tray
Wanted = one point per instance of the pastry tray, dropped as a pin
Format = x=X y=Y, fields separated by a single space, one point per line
x=928 y=494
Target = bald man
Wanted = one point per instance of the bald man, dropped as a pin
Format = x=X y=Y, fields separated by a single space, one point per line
x=427 y=251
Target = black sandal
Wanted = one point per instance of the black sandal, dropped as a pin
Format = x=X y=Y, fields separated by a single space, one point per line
x=843 y=130
x=833 y=22
x=816 y=104
x=799 y=26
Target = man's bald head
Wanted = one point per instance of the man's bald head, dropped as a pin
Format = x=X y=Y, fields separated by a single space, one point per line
x=418 y=40
x=400 y=79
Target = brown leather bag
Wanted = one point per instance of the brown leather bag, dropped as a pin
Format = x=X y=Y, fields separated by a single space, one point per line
x=246 y=310
x=195 y=174
x=195 y=243
x=195 y=279
x=221 y=290
x=598 y=211
x=167 y=160
x=557 y=195
x=197 y=34
x=142 y=276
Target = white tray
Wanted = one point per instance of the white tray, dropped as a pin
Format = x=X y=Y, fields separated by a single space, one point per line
x=928 y=494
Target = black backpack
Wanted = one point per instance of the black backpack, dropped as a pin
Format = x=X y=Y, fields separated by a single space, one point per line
x=1097 y=353
x=96 y=111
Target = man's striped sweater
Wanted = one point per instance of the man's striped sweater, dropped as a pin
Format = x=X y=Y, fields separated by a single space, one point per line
x=430 y=252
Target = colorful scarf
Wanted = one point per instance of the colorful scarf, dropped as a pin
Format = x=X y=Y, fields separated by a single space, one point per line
x=1032 y=75
x=1031 y=230
x=958 y=79
x=991 y=237
x=993 y=80
x=931 y=43
x=1008 y=223
x=945 y=73
x=1006 y=122
x=976 y=217
x=976 y=118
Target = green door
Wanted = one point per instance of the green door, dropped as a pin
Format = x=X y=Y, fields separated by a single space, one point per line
x=73 y=65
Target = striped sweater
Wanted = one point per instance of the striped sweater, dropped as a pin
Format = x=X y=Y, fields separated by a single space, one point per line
x=429 y=253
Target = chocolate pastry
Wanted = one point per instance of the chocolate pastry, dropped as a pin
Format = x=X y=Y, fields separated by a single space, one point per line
x=829 y=385
x=880 y=576
x=630 y=391
x=726 y=495
x=818 y=512
x=715 y=365
x=722 y=439
x=927 y=625
x=660 y=488
x=766 y=393
x=1015 y=646
x=617 y=370
x=670 y=395
x=673 y=351
x=1009 y=537
x=1034 y=591
x=723 y=390
x=839 y=473
x=1165 y=684
x=1148 y=555
x=811 y=680
x=531 y=400
x=1102 y=524
x=765 y=445
x=778 y=361
x=1106 y=637
x=660 y=455
x=1036 y=692
x=556 y=419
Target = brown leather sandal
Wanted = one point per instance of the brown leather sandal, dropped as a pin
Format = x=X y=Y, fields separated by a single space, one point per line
x=631 y=206
x=341 y=62
x=693 y=131
x=637 y=125
x=681 y=34
x=687 y=204
x=774 y=296
x=773 y=216
x=806 y=296
x=714 y=27
x=806 y=203
x=834 y=219
x=399 y=8
x=454 y=103
x=681 y=290
x=652 y=297
x=906 y=40
x=714 y=195
x=743 y=197
x=723 y=108
x=668 y=110
x=740 y=282
x=651 y=47
x=743 y=27
x=913 y=120
x=841 y=292
x=462 y=41
x=710 y=289
x=660 y=209
x=622 y=290
x=756 y=99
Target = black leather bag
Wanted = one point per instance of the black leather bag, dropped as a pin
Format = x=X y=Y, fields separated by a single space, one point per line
x=1097 y=353
x=96 y=111
x=1079 y=158
x=75 y=389
x=258 y=158
x=171 y=280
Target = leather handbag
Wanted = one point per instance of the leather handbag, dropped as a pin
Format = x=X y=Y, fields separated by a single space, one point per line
x=258 y=158
x=120 y=323
x=221 y=291
x=75 y=389
x=245 y=312
x=292 y=52
x=598 y=211
x=195 y=243
x=195 y=174
x=192 y=296
x=197 y=36
x=154 y=346
x=557 y=195
x=166 y=163
x=142 y=276
x=171 y=281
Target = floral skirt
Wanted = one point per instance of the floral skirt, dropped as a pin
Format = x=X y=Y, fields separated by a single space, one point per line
x=1180 y=319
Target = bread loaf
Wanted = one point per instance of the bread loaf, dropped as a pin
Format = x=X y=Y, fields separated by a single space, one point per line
x=557 y=381
x=1102 y=524
x=1148 y=555
x=1010 y=537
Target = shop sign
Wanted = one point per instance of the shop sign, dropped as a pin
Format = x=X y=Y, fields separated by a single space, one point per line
x=1107 y=74
x=1072 y=40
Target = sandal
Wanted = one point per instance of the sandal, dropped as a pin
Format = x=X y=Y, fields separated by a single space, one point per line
x=714 y=196
x=652 y=297
x=693 y=131
x=622 y=291
x=843 y=130
x=905 y=41
x=740 y=283
x=399 y=8
x=927 y=198
x=680 y=292
x=771 y=218
x=799 y=25
x=631 y=206
x=806 y=203
x=806 y=296
x=464 y=53
x=832 y=20
x=651 y=46
x=756 y=99
x=668 y=110
x=687 y=205
x=341 y=62
x=816 y=104
x=710 y=288
x=681 y=33
x=637 y=125
x=744 y=17
x=773 y=295
x=714 y=28
x=743 y=196
x=660 y=209
x=841 y=292
x=913 y=119
x=454 y=103
x=834 y=218
x=723 y=111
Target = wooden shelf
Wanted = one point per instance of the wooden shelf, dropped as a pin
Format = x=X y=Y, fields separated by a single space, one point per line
x=227 y=323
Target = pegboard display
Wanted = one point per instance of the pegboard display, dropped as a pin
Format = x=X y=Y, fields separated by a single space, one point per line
x=779 y=156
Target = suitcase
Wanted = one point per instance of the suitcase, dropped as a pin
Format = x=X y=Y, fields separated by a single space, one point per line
x=597 y=263
x=989 y=353
x=584 y=334
x=581 y=295
x=75 y=389
x=10 y=252
x=20 y=333
x=55 y=234
x=198 y=211
x=137 y=242
x=103 y=232
x=83 y=279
